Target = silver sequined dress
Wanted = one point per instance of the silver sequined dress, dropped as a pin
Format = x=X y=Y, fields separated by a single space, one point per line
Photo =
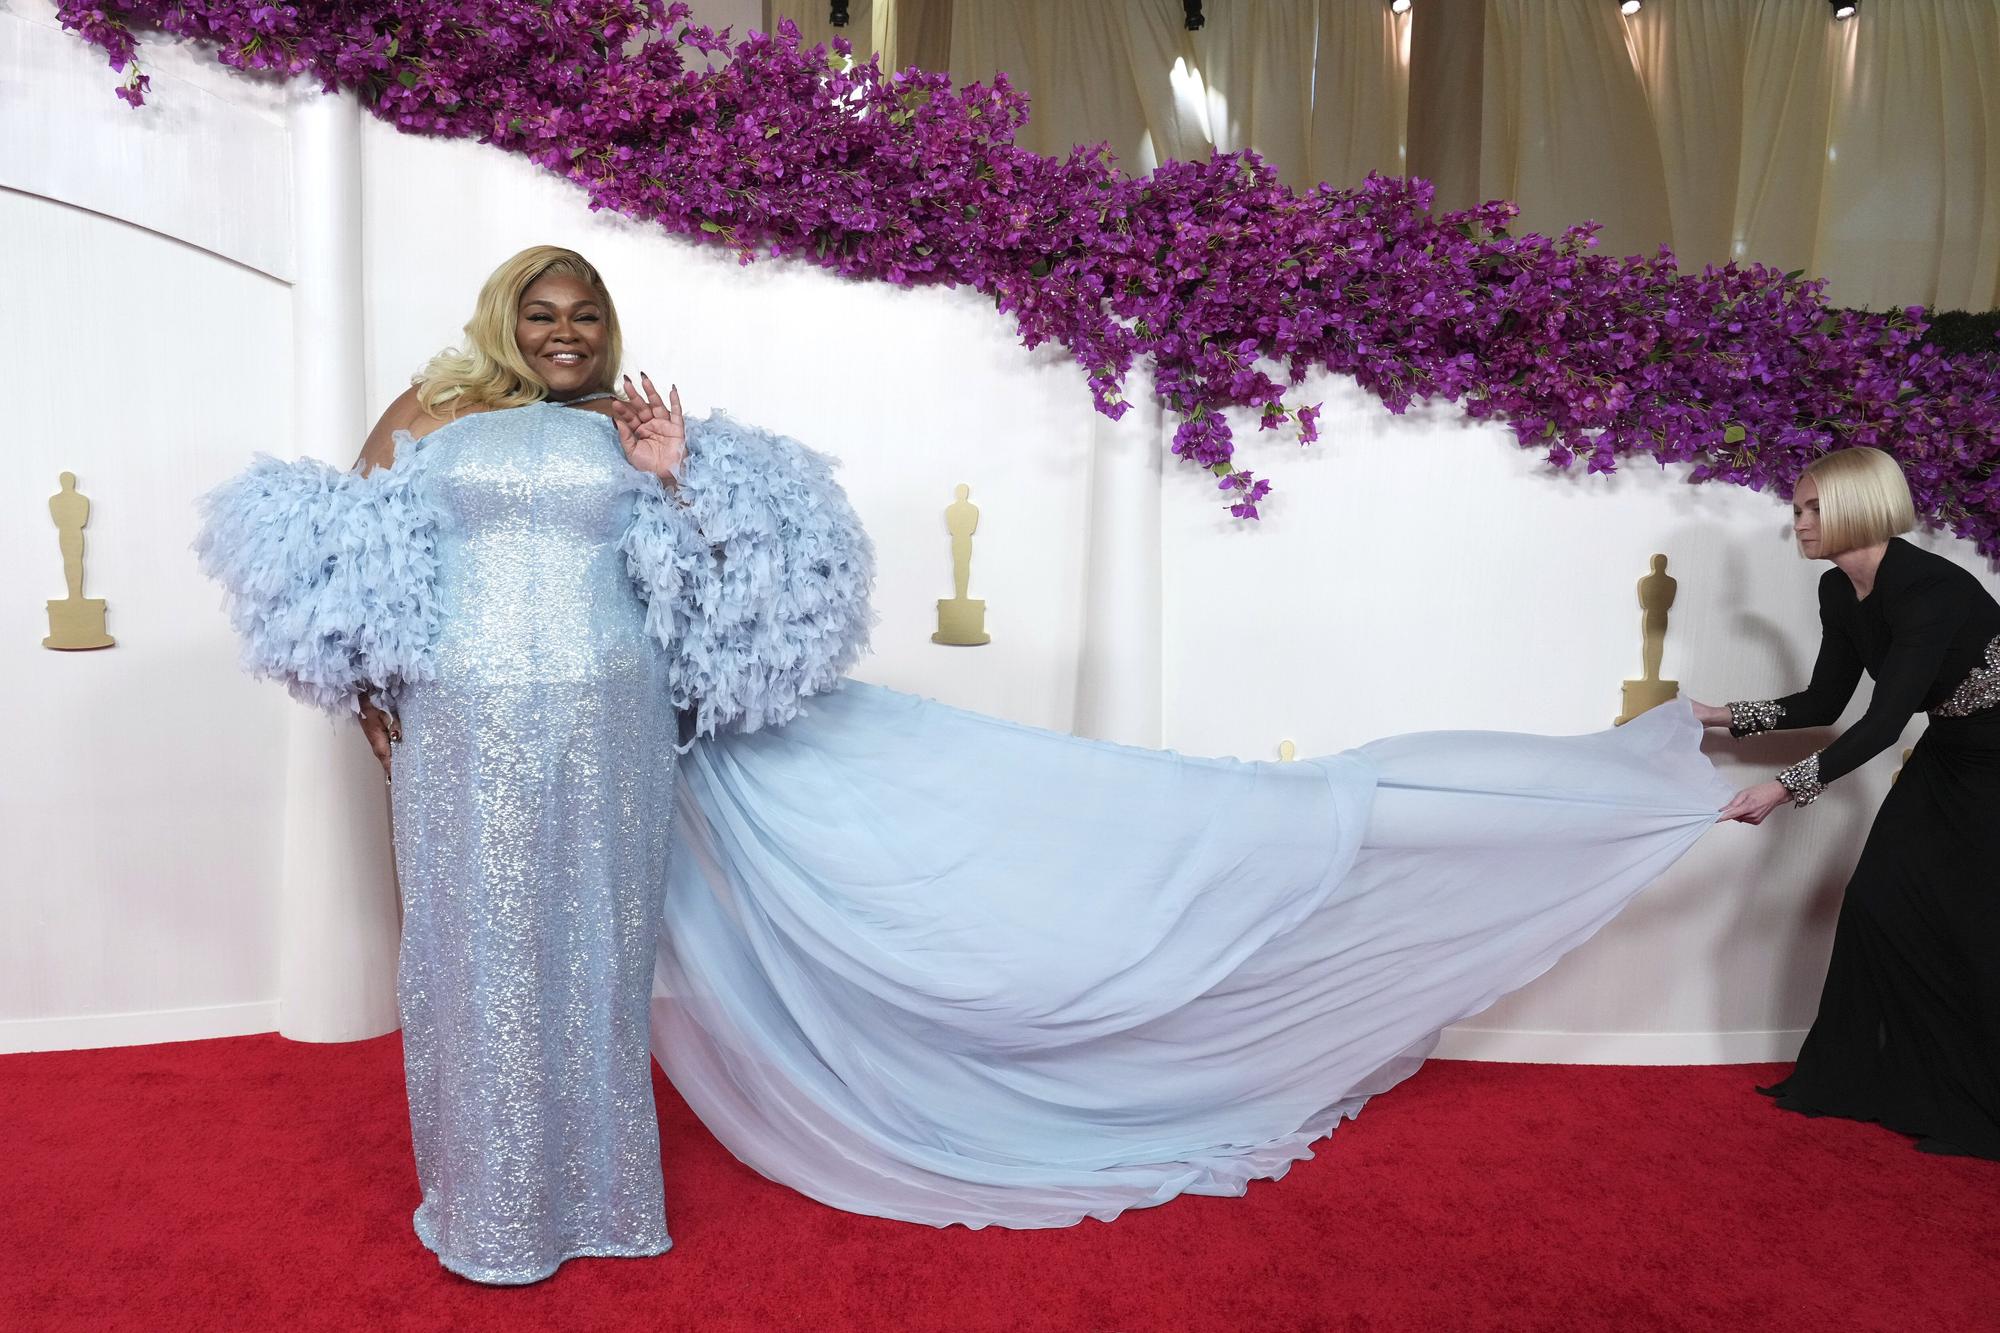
x=533 y=796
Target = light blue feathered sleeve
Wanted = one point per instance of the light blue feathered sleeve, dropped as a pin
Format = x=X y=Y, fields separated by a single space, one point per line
x=329 y=576
x=756 y=574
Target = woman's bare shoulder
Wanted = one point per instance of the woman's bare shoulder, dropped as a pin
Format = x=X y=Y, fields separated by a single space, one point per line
x=405 y=415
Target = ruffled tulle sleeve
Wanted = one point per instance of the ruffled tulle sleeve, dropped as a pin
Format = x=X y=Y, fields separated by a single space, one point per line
x=756 y=573
x=329 y=576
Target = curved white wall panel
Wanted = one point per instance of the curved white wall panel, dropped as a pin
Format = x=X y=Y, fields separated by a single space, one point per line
x=206 y=161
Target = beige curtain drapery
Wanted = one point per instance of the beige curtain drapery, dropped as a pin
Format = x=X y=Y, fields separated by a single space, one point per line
x=1122 y=73
x=1866 y=151
x=1564 y=130
x=1318 y=87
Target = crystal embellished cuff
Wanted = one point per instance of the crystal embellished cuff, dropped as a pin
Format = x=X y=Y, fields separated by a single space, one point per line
x=1747 y=717
x=1802 y=780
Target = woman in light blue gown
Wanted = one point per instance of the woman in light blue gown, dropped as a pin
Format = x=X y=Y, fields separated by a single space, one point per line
x=910 y=960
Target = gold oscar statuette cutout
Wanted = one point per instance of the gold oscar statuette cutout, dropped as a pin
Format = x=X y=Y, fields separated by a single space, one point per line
x=961 y=619
x=1287 y=752
x=1656 y=597
x=75 y=622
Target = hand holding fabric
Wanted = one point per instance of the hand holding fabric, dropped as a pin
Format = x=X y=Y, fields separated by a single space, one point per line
x=381 y=730
x=1752 y=804
x=1709 y=715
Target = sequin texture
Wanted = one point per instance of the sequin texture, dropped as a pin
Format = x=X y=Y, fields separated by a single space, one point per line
x=1747 y=717
x=1802 y=780
x=533 y=797
x=1979 y=691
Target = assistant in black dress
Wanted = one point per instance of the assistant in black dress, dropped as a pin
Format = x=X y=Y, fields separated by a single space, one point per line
x=1908 y=1031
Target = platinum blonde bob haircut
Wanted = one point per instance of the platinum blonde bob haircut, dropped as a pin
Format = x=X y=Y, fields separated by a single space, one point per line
x=490 y=372
x=1863 y=499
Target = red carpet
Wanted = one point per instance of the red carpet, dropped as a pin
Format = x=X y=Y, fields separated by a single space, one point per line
x=256 y=1183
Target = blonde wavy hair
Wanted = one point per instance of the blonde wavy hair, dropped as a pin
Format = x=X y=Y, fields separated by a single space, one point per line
x=490 y=371
x=1863 y=499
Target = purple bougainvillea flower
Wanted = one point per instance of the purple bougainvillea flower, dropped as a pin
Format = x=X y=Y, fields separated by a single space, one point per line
x=1214 y=273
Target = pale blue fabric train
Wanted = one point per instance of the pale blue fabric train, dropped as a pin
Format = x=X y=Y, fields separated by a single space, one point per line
x=931 y=965
x=907 y=959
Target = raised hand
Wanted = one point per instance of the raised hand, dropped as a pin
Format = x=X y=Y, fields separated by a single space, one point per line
x=652 y=432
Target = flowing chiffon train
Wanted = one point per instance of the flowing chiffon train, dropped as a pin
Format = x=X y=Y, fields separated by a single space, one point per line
x=926 y=964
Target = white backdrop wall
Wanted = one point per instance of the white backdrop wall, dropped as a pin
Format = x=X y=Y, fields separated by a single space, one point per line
x=1412 y=572
x=141 y=792
x=1422 y=573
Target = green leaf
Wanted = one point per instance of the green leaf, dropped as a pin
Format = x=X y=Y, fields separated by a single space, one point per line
x=514 y=125
x=1795 y=275
x=408 y=78
x=772 y=132
x=1734 y=434
x=1040 y=268
x=395 y=45
x=713 y=229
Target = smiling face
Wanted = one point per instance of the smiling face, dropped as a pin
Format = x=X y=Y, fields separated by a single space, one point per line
x=1805 y=517
x=561 y=329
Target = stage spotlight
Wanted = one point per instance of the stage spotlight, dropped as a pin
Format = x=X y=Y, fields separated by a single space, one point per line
x=1629 y=7
x=1399 y=6
x=836 y=14
x=1844 y=9
x=1192 y=8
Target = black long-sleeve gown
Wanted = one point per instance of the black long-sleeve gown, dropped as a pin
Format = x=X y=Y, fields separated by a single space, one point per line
x=1908 y=1031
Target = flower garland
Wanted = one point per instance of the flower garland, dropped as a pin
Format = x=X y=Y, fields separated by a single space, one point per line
x=1232 y=286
